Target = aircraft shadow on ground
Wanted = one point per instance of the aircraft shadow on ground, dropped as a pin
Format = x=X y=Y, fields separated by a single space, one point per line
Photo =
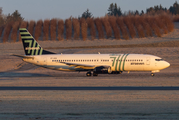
x=92 y=88
x=15 y=74
x=76 y=74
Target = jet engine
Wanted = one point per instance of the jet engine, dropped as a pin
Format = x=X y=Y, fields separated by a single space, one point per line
x=102 y=70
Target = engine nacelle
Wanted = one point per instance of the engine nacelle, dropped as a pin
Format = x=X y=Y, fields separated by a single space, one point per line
x=102 y=70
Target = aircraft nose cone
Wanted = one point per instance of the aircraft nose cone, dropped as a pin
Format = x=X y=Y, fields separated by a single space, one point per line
x=167 y=64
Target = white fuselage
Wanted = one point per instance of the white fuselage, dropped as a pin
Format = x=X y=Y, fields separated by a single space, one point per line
x=117 y=62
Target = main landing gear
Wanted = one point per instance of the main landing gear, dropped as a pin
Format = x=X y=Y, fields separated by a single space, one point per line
x=95 y=74
x=89 y=74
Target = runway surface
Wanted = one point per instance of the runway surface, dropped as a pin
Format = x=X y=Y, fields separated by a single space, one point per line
x=92 y=88
x=33 y=93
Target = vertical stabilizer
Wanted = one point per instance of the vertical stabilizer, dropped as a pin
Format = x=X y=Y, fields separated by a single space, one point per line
x=31 y=47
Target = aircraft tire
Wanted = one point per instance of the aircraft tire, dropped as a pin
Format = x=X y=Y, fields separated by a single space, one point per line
x=88 y=74
x=152 y=74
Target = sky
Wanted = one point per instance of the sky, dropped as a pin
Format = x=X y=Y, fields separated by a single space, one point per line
x=63 y=9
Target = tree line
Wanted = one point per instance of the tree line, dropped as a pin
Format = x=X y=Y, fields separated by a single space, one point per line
x=108 y=27
x=15 y=16
x=115 y=10
x=114 y=25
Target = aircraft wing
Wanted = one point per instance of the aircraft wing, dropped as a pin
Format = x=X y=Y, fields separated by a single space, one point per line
x=84 y=66
x=77 y=65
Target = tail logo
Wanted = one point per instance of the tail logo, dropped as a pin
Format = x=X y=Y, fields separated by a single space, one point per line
x=31 y=47
x=28 y=48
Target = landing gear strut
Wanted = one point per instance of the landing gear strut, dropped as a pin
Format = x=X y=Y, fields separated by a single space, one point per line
x=95 y=74
x=121 y=72
x=152 y=74
x=88 y=74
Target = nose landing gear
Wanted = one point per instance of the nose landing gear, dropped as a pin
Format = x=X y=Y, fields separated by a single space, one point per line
x=152 y=74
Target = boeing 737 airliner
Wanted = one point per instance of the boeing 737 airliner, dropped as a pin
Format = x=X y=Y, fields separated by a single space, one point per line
x=91 y=63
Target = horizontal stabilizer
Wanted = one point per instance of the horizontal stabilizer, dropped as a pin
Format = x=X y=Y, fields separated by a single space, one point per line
x=22 y=56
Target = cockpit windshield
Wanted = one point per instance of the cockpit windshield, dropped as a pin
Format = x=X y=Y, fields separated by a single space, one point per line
x=159 y=60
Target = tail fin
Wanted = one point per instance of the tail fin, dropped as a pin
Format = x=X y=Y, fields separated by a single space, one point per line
x=31 y=47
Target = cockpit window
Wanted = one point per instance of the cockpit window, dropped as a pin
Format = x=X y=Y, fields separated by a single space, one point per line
x=158 y=59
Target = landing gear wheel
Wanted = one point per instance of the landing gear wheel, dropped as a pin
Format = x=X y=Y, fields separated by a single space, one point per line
x=95 y=74
x=152 y=74
x=88 y=74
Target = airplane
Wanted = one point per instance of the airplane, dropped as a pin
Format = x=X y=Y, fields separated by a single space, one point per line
x=93 y=64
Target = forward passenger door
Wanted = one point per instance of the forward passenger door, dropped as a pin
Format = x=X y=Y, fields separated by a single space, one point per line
x=147 y=61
